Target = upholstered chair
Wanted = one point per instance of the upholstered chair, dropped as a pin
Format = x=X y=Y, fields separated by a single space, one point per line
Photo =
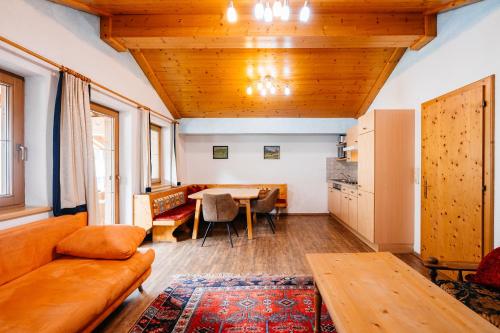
x=266 y=206
x=219 y=208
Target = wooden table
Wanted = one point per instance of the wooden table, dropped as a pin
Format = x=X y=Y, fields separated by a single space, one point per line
x=243 y=195
x=377 y=292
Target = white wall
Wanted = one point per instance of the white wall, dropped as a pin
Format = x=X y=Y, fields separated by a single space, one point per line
x=302 y=165
x=265 y=125
x=71 y=38
x=467 y=49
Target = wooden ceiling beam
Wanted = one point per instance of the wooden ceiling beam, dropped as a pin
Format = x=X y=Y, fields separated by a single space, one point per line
x=78 y=5
x=430 y=32
x=450 y=5
x=347 y=30
x=150 y=74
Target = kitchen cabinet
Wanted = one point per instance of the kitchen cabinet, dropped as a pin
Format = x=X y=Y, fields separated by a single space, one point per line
x=386 y=165
x=352 y=144
x=366 y=162
x=337 y=195
x=352 y=219
x=366 y=123
x=366 y=217
x=334 y=197
x=330 y=200
x=344 y=207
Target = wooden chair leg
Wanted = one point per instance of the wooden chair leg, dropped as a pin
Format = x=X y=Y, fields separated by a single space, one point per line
x=141 y=290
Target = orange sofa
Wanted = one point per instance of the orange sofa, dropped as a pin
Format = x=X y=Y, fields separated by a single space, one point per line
x=41 y=291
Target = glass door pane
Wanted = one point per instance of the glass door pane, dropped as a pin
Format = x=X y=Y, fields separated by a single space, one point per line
x=5 y=143
x=105 y=148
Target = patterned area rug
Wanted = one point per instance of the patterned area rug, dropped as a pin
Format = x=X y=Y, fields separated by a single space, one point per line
x=236 y=304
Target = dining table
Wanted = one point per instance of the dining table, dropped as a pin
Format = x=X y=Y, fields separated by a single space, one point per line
x=242 y=195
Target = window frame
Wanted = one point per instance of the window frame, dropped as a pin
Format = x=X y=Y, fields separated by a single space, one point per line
x=16 y=105
x=157 y=181
x=97 y=108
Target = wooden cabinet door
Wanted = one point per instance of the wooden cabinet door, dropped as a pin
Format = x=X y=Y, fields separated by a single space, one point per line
x=337 y=195
x=366 y=162
x=353 y=212
x=352 y=136
x=344 y=208
x=366 y=123
x=331 y=207
x=366 y=215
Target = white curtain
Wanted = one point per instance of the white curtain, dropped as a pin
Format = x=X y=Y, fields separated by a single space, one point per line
x=145 y=151
x=77 y=169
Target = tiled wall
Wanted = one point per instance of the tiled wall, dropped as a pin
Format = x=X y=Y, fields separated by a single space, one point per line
x=334 y=169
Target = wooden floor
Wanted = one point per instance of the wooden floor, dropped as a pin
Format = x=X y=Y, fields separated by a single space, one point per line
x=282 y=253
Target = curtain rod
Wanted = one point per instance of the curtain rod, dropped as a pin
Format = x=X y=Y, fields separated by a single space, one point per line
x=92 y=82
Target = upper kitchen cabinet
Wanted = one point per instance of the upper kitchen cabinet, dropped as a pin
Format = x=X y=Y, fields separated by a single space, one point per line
x=366 y=162
x=366 y=123
x=352 y=144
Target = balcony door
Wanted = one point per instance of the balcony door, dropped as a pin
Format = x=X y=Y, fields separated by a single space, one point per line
x=105 y=129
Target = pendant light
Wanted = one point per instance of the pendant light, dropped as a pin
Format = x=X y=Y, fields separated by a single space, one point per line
x=285 y=11
x=287 y=90
x=249 y=90
x=232 y=16
x=259 y=11
x=268 y=13
x=305 y=13
x=277 y=8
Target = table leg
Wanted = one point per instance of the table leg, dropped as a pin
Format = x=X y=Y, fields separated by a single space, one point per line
x=318 y=302
x=249 y=218
x=196 y=219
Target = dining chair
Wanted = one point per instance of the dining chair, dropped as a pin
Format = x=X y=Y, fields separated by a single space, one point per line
x=219 y=208
x=266 y=205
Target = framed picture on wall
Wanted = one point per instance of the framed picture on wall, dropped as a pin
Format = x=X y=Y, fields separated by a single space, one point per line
x=271 y=152
x=220 y=152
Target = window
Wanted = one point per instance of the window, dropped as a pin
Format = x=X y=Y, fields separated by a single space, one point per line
x=105 y=133
x=12 y=150
x=156 y=156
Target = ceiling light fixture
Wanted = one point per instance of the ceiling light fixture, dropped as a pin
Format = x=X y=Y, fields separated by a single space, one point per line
x=305 y=13
x=249 y=90
x=277 y=8
x=259 y=11
x=268 y=13
x=285 y=11
x=287 y=90
x=232 y=16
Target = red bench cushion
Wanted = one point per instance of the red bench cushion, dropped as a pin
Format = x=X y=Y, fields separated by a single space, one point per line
x=178 y=213
x=488 y=272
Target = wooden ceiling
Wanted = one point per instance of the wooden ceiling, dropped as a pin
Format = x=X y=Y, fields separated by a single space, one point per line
x=198 y=62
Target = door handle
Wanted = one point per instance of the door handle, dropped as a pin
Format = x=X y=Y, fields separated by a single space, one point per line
x=23 y=152
x=426 y=187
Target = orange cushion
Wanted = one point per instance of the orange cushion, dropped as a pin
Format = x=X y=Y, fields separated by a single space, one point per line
x=103 y=242
x=68 y=294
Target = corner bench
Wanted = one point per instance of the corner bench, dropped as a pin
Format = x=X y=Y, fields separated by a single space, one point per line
x=163 y=212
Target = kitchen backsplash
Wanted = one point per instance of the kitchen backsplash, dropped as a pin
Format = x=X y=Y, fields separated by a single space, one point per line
x=337 y=169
